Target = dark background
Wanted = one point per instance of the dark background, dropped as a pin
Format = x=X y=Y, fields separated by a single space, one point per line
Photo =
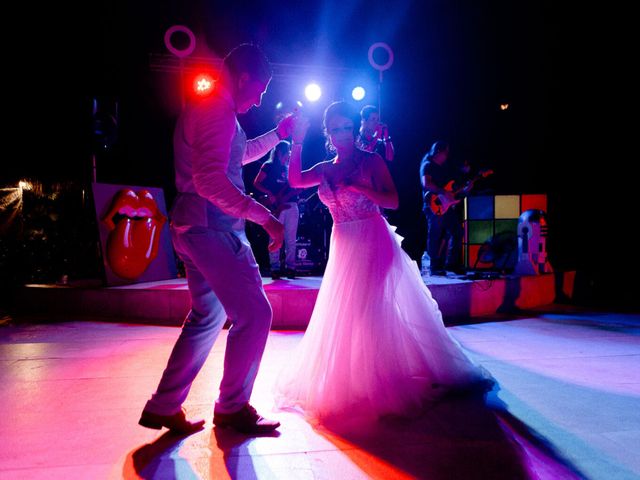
x=455 y=62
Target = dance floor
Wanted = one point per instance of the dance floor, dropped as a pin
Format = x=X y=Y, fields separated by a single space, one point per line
x=567 y=405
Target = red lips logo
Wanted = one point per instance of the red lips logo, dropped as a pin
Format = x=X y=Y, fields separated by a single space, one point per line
x=134 y=222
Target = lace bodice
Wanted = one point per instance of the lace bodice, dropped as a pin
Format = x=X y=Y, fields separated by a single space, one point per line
x=346 y=205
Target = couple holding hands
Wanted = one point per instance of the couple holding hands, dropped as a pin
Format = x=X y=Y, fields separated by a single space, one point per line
x=376 y=343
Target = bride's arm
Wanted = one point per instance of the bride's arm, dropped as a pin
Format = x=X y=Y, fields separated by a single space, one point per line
x=298 y=178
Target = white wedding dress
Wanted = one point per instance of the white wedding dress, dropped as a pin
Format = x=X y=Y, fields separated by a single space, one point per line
x=376 y=344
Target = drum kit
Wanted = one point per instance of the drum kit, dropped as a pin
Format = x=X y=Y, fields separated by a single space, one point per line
x=314 y=228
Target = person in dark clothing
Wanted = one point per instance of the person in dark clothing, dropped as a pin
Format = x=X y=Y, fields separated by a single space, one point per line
x=439 y=180
x=373 y=135
x=282 y=200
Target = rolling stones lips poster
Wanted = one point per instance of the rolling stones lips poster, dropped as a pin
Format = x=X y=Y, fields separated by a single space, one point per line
x=134 y=234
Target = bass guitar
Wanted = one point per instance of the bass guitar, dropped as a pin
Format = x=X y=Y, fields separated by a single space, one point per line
x=440 y=203
x=280 y=202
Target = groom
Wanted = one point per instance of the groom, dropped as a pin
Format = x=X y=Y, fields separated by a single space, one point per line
x=207 y=230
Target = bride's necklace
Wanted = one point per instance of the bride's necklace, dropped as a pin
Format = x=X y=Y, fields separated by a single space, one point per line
x=349 y=165
x=343 y=168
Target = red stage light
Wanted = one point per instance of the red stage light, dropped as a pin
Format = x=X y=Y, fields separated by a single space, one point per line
x=203 y=84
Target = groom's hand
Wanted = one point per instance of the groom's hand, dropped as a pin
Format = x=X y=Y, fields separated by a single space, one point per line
x=276 y=233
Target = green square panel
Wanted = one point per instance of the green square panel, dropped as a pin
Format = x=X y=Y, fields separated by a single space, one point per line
x=510 y=226
x=479 y=231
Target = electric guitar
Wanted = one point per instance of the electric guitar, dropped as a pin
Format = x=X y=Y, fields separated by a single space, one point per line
x=440 y=203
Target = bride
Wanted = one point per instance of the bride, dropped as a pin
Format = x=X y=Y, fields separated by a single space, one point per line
x=376 y=344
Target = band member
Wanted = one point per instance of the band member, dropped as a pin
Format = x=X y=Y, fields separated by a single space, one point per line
x=444 y=226
x=282 y=200
x=443 y=187
x=373 y=135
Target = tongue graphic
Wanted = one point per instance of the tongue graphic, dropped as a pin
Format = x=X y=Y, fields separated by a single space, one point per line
x=134 y=222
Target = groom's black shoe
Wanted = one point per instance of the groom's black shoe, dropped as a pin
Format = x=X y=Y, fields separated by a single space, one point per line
x=275 y=274
x=176 y=423
x=246 y=420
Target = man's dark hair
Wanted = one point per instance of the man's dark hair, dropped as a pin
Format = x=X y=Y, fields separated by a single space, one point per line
x=437 y=147
x=367 y=110
x=248 y=58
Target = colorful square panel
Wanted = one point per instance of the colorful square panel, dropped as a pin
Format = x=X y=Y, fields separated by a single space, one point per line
x=507 y=206
x=479 y=231
x=471 y=255
x=471 y=259
x=533 y=202
x=506 y=226
x=479 y=208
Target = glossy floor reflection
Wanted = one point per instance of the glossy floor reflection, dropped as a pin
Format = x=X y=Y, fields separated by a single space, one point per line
x=567 y=406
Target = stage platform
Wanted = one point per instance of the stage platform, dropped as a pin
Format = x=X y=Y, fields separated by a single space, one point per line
x=167 y=302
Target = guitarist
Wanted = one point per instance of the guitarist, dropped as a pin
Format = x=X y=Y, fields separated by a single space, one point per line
x=444 y=225
x=282 y=200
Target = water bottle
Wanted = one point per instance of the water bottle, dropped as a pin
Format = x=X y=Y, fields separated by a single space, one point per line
x=425 y=271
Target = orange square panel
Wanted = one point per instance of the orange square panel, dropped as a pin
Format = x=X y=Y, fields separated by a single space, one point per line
x=507 y=206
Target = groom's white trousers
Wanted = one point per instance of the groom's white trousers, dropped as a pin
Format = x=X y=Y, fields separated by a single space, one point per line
x=224 y=282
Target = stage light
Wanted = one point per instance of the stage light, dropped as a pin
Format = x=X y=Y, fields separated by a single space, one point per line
x=25 y=185
x=203 y=84
x=313 y=92
x=358 y=93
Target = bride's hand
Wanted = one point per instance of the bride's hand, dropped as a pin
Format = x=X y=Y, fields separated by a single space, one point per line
x=300 y=127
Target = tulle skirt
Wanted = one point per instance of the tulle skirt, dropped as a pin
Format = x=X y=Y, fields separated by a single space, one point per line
x=376 y=344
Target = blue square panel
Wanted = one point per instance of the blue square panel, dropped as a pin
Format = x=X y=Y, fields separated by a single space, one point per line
x=479 y=208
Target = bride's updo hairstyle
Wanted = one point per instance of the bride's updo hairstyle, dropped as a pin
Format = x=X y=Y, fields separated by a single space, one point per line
x=339 y=109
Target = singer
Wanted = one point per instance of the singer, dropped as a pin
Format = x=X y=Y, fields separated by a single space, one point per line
x=373 y=135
